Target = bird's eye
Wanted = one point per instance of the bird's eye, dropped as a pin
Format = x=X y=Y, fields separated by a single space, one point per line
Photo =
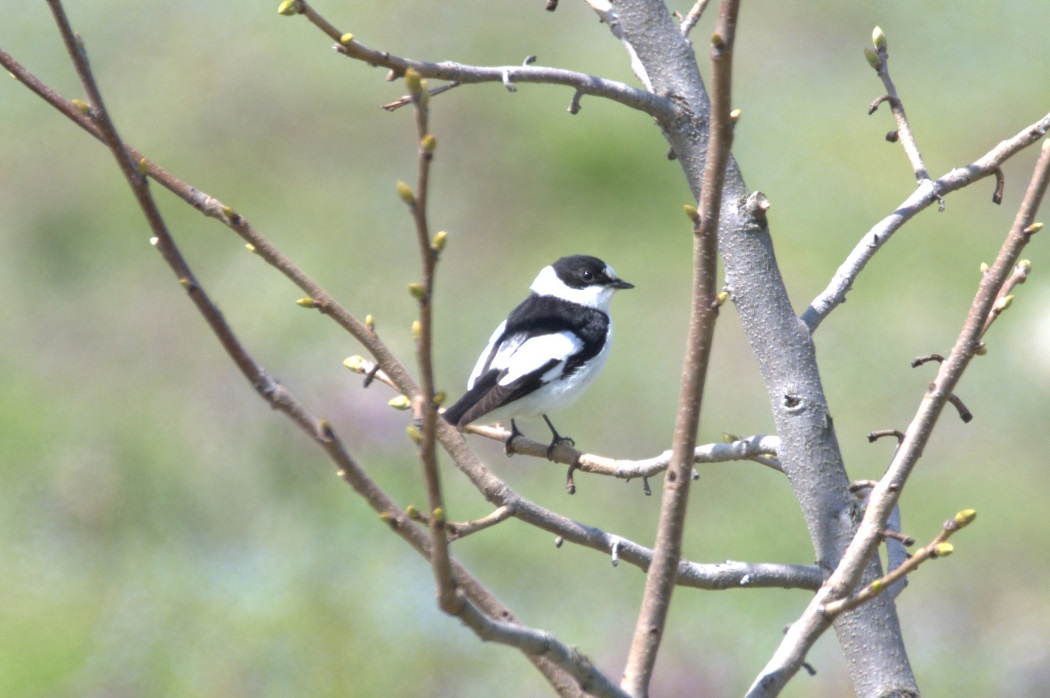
x=588 y=276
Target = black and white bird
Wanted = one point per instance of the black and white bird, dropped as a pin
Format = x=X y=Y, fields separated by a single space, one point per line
x=549 y=349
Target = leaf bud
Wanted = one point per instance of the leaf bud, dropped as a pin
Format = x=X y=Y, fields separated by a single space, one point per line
x=345 y=39
x=414 y=434
x=405 y=192
x=355 y=363
x=438 y=243
x=943 y=549
x=873 y=58
x=401 y=402
x=414 y=82
x=417 y=291
x=878 y=38
x=81 y=106
x=965 y=517
x=288 y=8
x=428 y=143
x=1004 y=303
x=417 y=330
x=306 y=302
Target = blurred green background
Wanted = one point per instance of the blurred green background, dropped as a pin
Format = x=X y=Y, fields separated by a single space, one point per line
x=163 y=533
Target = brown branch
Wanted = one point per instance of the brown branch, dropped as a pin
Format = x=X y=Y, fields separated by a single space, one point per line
x=660 y=579
x=423 y=403
x=938 y=547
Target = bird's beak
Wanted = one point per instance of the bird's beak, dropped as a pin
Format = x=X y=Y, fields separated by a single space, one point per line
x=620 y=283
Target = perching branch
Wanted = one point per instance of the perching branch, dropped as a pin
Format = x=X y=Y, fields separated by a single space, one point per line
x=475 y=605
x=660 y=579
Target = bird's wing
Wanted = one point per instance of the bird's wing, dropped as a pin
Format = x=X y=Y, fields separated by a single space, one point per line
x=532 y=357
x=511 y=369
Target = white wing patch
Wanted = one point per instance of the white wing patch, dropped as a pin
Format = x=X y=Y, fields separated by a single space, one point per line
x=522 y=358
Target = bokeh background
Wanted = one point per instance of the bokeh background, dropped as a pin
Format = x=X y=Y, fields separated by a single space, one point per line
x=163 y=533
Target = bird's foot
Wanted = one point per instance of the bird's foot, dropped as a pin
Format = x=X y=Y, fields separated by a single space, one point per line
x=558 y=439
x=514 y=433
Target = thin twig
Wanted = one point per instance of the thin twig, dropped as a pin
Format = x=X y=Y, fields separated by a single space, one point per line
x=938 y=547
x=622 y=93
x=693 y=16
x=660 y=579
x=904 y=132
x=424 y=407
x=928 y=193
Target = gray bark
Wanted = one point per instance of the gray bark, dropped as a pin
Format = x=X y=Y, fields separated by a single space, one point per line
x=870 y=636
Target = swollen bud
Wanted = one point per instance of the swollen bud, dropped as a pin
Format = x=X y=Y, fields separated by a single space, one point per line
x=142 y=166
x=414 y=434
x=735 y=115
x=1004 y=303
x=355 y=363
x=345 y=39
x=414 y=82
x=82 y=106
x=873 y=58
x=288 y=8
x=370 y=323
x=401 y=402
x=965 y=517
x=417 y=330
x=429 y=143
x=306 y=302
x=438 y=243
x=417 y=291
x=405 y=192
x=943 y=549
x=691 y=211
x=878 y=38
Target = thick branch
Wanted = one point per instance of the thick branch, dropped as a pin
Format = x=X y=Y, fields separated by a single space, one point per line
x=847 y=575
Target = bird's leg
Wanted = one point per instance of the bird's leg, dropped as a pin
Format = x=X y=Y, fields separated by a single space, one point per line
x=557 y=440
x=514 y=433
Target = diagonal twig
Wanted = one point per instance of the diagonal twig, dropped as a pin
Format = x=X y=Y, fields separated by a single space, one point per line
x=928 y=193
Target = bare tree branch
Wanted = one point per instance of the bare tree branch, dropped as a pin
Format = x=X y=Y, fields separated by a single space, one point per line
x=803 y=633
x=880 y=62
x=928 y=193
x=512 y=75
x=660 y=580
